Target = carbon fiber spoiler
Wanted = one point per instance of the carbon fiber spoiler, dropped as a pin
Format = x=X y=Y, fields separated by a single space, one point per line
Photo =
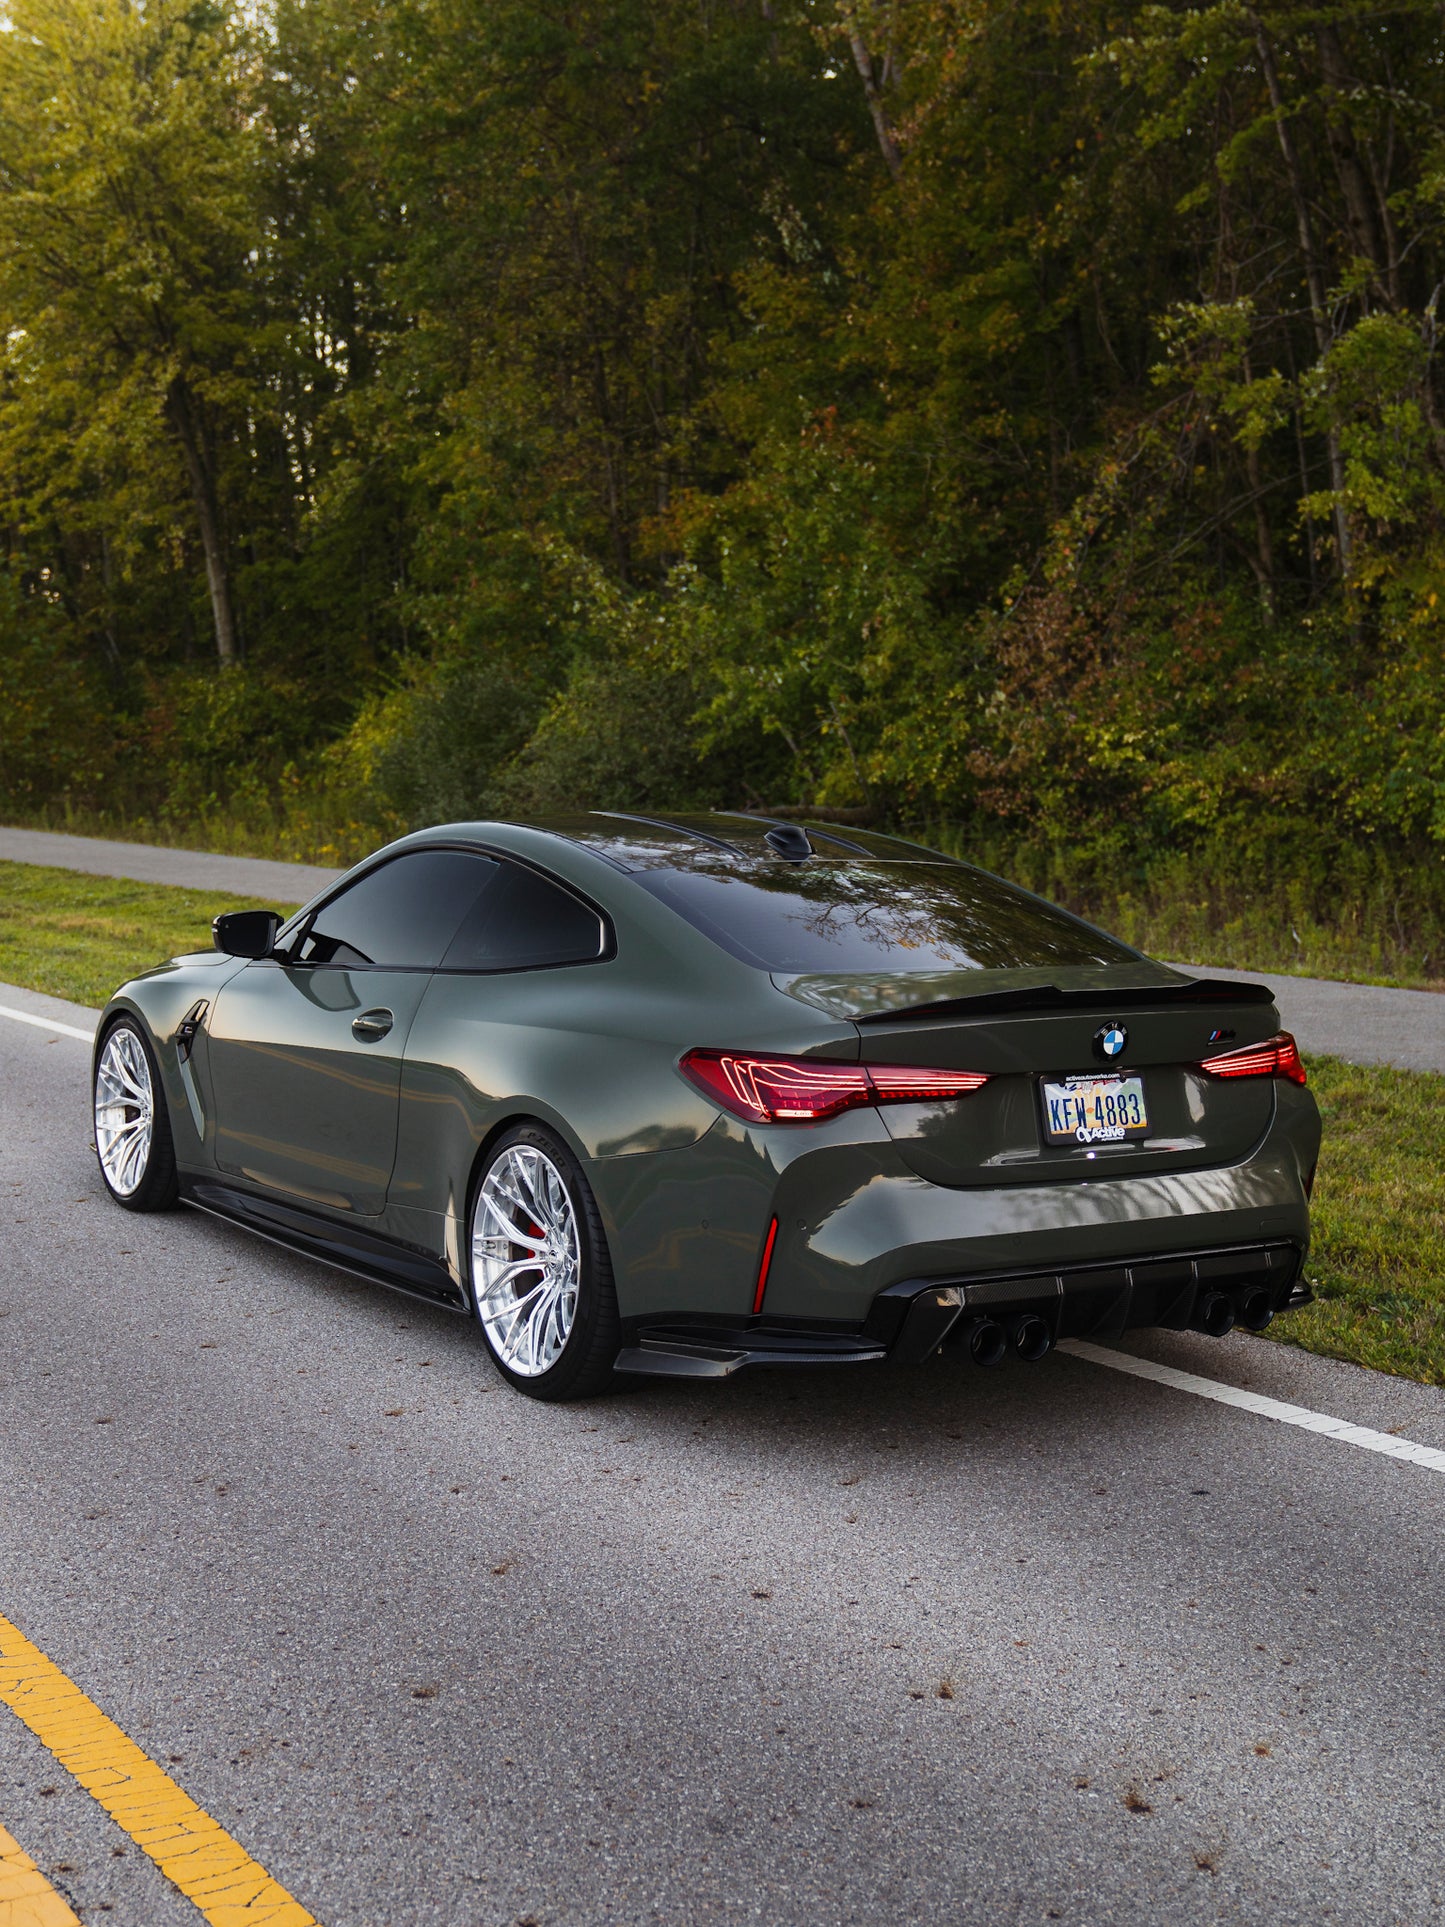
x=989 y=1003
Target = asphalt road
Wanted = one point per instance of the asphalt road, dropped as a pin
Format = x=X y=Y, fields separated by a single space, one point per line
x=434 y=1653
x=1363 y=1023
x=241 y=876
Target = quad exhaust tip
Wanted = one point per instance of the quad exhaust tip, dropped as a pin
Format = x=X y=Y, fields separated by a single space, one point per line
x=1028 y=1337
x=1256 y=1309
x=1217 y=1313
x=1032 y=1338
x=988 y=1342
x=1214 y=1314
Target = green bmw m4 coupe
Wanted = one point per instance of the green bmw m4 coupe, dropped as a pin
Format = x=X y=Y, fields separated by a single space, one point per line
x=680 y=1096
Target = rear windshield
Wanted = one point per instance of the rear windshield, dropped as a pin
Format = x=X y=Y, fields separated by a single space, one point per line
x=897 y=917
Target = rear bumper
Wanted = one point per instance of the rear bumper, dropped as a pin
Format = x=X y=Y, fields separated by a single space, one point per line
x=854 y=1222
x=909 y=1322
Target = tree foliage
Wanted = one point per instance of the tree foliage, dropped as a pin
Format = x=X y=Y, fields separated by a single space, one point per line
x=1022 y=415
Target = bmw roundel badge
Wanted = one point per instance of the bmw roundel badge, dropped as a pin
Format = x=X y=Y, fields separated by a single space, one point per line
x=1110 y=1041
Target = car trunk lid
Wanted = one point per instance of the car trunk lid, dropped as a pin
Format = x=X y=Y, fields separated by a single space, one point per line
x=1037 y=1028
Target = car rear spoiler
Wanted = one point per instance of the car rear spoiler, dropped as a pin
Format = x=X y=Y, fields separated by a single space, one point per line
x=989 y=1003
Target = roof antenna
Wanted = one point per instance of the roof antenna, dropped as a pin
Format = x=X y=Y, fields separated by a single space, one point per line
x=790 y=840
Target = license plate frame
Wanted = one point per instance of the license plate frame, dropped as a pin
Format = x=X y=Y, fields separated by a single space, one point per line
x=1094 y=1107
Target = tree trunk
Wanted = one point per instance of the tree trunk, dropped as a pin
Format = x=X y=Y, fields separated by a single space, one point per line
x=1314 y=274
x=863 y=61
x=1354 y=184
x=613 y=460
x=181 y=412
x=112 y=648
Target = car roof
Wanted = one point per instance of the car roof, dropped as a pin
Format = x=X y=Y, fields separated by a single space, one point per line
x=691 y=839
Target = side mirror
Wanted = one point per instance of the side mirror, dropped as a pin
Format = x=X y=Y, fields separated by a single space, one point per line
x=246 y=933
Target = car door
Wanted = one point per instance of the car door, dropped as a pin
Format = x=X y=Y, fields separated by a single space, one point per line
x=305 y=1049
x=505 y=1013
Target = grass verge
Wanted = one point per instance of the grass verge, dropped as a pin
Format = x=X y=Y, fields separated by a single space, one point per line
x=1378 y=1263
x=1252 y=936
x=1378 y=1258
x=78 y=936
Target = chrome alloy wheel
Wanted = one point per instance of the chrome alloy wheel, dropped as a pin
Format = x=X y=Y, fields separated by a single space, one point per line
x=124 y=1111
x=526 y=1260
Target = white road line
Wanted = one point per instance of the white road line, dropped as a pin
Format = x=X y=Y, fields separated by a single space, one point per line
x=48 y=1023
x=1275 y=1408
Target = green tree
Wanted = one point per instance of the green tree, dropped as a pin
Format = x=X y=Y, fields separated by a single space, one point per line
x=128 y=229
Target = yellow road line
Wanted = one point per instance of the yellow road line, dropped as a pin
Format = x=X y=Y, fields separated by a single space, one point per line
x=27 y=1898
x=188 y=1846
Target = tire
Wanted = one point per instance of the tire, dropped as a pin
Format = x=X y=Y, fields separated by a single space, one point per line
x=133 y=1143
x=531 y=1202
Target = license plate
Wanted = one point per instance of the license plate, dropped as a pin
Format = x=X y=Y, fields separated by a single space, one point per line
x=1095 y=1110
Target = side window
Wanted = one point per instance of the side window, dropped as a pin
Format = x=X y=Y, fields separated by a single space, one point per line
x=404 y=914
x=524 y=922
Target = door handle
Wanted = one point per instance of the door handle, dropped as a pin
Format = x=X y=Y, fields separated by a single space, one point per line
x=372 y=1024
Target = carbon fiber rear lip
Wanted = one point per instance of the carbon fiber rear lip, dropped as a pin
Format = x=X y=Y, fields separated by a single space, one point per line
x=910 y=1320
x=1106 y=1297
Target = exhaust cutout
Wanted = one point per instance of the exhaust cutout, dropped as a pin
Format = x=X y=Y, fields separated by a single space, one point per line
x=1256 y=1309
x=1213 y=1314
x=1032 y=1339
x=987 y=1342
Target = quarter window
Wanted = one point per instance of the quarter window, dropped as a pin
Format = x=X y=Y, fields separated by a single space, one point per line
x=525 y=923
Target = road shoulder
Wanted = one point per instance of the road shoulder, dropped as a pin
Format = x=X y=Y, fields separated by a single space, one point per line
x=34 y=1003
x=239 y=876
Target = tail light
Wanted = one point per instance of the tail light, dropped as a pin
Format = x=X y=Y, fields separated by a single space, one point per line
x=1276 y=1057
x=805 y=1090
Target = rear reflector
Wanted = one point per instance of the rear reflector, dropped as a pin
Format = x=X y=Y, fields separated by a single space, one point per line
x=764 y=1266
x=1276 y=1057
x=804 y=1090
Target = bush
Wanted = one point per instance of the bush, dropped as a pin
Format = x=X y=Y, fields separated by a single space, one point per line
x=432 y=750
x=620 y=736
x=222 y=738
